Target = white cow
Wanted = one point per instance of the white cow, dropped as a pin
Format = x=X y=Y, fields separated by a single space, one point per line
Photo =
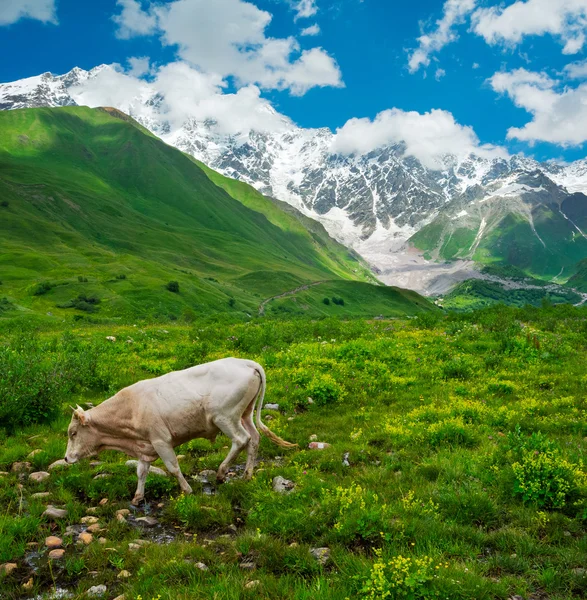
x=151 y=417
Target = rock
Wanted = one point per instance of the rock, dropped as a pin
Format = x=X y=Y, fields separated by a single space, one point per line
x=34 y=453
x=85 y=537
x=153 y=470
x=121 y=597
x=28 y=585
x=39 y=476
x=567 y=533
x=7 y=568
x=516 y=597
x=4 y=473
x=92 y=510
x=180 y=456
x=318 y=445
x=110 y=338
x=133 y=546
x=345 y=460
x=102 y=476
x=148 y=521
x=282 y=486
x=95 y=528
x=322 y=555
x=201 y=566
x=102 y=540
x=124 y=574
x=41 y=495
x=248 y=565
x=56 y=554
x=123 y=512
x=270 y=406
x=95 y=463
x=252 y=584
x=579 y=572
x=53 y=541
x=89 y=520
x=58 y=464
x=206 y=476
x=96 y=591
x=310 y=401
x=294 y=545
x=103 y=501
x=17 y=467
x=55 y=513
x=290 y=418
x=313 y=437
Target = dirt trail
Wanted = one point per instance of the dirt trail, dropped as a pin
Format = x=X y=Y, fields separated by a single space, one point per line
x=285 y=294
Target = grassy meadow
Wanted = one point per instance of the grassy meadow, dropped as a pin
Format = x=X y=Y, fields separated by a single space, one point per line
x=455 y=468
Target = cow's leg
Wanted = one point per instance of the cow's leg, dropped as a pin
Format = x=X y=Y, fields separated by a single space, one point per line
x=240 y=438
x=142 y=472
x=165 y=451
x=253 y=446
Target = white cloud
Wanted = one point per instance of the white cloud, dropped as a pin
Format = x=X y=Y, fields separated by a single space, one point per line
x=476 y=65
x=440 y=73
x=139 y=65
x=133 y=20
x=428 y=137
x=454 y=14
x=12 y=11
x=184 y=93
x=559 y=113
x=305 y=9
x=311 y=30
x=577 y=70
x=565 y=19
x=227 y=37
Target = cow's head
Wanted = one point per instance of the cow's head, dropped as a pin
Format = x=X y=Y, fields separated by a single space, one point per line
x=83 y=439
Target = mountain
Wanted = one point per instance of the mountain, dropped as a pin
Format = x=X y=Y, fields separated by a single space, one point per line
x=97 y=215
x=373 y=202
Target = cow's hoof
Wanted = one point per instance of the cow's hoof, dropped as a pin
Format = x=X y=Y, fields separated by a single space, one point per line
x=137 y=500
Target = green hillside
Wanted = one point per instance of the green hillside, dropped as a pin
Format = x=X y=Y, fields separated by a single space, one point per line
x=99 y=216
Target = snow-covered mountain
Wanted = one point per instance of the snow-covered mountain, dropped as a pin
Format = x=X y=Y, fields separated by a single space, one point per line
x=372 y=202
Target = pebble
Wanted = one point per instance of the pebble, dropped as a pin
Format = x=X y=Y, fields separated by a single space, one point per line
x=121 y=597
x=34 y=453
x=53 y=541
x=7 y=568
x=153 y=470
x=4 y=473
x=180 y=456
x=95 y=528
x=28 y=585
x=92 y=510
x=56 y=554
x=318 y=445
x=271 y=406
x=39 y=476
x=322 y=555
x=252 y=584
x=206 y=476
x=123 y=512
x=95 y=463
x=580 y=572
x=201 y=566
x=133 y=546
x=102 y=540
x=282 y=486
x=148 y=521
x=102 y=476
x=41 y=495
x=17 y=467
x=248 y=565
x=85 y=537
x=124 y=574
x=55 y=513
x=89 y=520
x=58 y=464
x=97 y=590
x=110 y=338
x=103 y=501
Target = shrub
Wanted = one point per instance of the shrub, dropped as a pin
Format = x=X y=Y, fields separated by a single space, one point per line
x=324 y=390
x=338 y=301
x=121 y=276
x=4 y=204
x=83 y=302
x=231 y=302
x=173 y=286
x=82 y=279
x=326 y=301
x=42 y=288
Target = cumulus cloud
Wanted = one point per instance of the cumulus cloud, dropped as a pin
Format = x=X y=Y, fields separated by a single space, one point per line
x=428 y=137
x=577 y=70
x=454 y=14
x=565 y=19
x=139 y=66
x=12 y=11
x=305 y=9
x=227 y=37
x=311 y=30
x=559 y=112
x=182 y=92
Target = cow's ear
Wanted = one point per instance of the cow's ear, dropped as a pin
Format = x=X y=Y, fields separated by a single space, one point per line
x=81 y=415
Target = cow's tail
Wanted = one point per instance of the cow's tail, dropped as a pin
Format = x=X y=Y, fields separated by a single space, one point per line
x=260 y=425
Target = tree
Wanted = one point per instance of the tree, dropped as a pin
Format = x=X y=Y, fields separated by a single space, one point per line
x=173 y=286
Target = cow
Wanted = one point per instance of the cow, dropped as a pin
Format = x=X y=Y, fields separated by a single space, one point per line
x=149 y=418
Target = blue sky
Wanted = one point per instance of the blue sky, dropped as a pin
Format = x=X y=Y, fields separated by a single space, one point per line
x=493 y=66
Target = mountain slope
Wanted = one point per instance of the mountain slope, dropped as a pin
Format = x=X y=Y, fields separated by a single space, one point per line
x=92 y=208
x=373 y=202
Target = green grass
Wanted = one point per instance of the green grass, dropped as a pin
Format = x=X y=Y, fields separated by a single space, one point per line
x=466 y=437
x=88 y=196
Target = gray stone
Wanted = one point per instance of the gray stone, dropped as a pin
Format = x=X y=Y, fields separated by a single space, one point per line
x=270 y=406
x=39 y=476
x=201 y=566
x=148 y=521
x=58 y=464
x=322 y=555
x=282 y=486
x=96 y=591
x=248 y=565
x=55 y=513
x=41 y=495
x=17 y=467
